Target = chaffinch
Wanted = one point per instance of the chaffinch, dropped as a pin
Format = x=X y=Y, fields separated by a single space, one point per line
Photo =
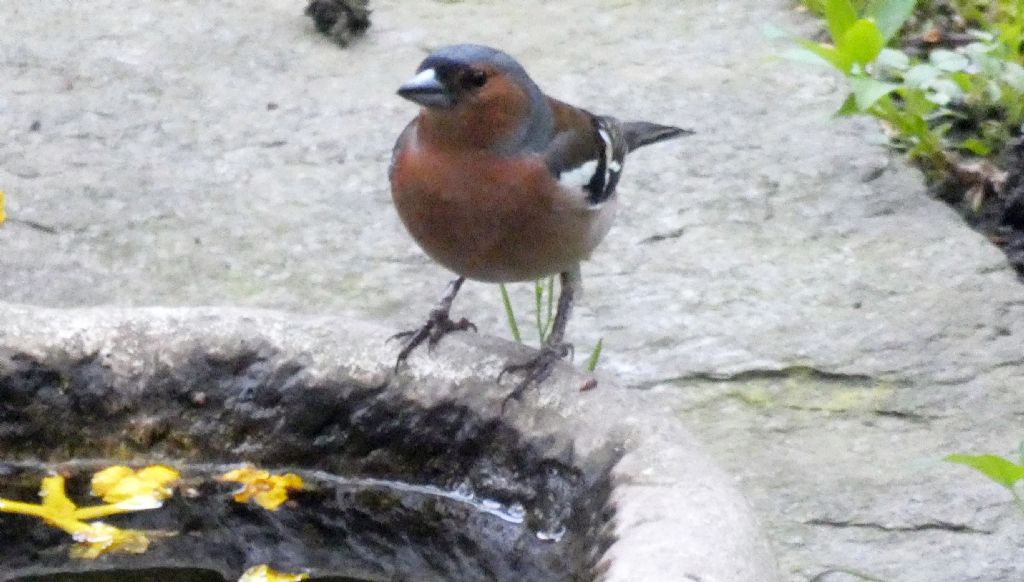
x=498 y=182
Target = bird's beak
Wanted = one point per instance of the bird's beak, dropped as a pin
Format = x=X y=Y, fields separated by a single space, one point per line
x=427 y=90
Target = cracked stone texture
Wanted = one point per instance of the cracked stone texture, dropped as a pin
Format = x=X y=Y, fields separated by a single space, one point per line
x=784 y=285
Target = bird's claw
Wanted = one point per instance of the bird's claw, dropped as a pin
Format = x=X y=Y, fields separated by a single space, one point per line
x=537 y=369
x=438 y=325
x=446 y=326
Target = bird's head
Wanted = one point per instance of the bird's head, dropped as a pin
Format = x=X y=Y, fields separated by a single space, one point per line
x=483 y=88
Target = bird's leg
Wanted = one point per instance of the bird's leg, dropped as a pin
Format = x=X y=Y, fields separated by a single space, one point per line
x=555 y=349
x=438 y=324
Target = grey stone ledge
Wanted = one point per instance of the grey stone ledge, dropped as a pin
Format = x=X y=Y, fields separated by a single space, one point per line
x=677 y=516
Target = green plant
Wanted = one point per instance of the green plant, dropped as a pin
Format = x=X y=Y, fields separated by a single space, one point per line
x=510 y=315
x=1000 y=470
x=818 y=6
x=987 y=91
x=595 y=355
x=1003 y=18
x=544 y=299
x=970 y=99
x=544 y=316
x=858 y=51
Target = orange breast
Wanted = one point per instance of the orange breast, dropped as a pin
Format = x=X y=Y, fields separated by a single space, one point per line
x=493 y=219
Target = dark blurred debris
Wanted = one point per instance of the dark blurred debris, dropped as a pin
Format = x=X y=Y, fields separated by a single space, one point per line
x=1012 y=219
x=342 y=20
x=990 y=197
x=1013 y=209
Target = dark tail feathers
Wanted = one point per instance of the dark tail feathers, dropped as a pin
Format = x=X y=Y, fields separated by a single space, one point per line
x=641 y=133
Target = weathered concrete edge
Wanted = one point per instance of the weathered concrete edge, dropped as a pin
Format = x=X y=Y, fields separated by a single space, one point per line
x=677 y=516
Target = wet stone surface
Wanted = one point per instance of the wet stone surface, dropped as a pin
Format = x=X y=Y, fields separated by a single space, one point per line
x=333 y=528
x=479 y=501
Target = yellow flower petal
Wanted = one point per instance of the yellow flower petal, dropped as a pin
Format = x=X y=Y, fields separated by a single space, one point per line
x=139 y=503
x=264 y=573
x=269 y=491
x=3 y=215
x=93 y=539
x=55 y=500
x=291 y=481
x=55 y=518
x=245 y=474
x=159 y=474
x=131 y=487
x=272 y=498
x=120 y=484
x=100 y=538
x=106 y=479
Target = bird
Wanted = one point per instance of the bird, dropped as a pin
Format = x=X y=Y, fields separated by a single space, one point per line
x=500 y=183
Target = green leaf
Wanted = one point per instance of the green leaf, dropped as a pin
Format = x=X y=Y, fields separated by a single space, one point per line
x=993 y=90
x=862 y=42
x=867 y=91
x=963 y=80
x=806 y=56
x=948 y=88
x=921 y=75
x=893 y=59
x=975 y=146
x=512 y=325
x=848 y=108
x=1013 y=75
x=941 y=129
x=595 y=355
x=948 y=60
x=840 y=16
x=830 y=55
x=995 y=468
x=890 y=15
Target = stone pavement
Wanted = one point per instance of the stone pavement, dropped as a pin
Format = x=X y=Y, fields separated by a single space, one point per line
x=786 y=286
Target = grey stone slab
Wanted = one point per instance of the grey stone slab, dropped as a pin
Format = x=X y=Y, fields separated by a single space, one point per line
x=781 y=282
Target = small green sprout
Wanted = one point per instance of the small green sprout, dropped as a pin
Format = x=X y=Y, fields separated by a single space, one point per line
x=595 y=355
x=509 y=314
x=544 y=316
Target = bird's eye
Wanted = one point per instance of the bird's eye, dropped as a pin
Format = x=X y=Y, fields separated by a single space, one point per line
x=474 y=79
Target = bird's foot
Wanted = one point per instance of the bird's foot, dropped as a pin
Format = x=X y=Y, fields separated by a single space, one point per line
x=438 y=325
x=537 y=369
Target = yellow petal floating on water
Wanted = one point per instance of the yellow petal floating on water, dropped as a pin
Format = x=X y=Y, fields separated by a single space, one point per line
x=269 y=491
x=99 y=538
x=55 y=500
x=119 y=484
x=3 y=215
x=106 y=479
x=96 y=538
x=264 y=573
x=161 y=474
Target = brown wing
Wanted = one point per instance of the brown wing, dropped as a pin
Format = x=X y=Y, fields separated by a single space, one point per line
x=587 y=151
